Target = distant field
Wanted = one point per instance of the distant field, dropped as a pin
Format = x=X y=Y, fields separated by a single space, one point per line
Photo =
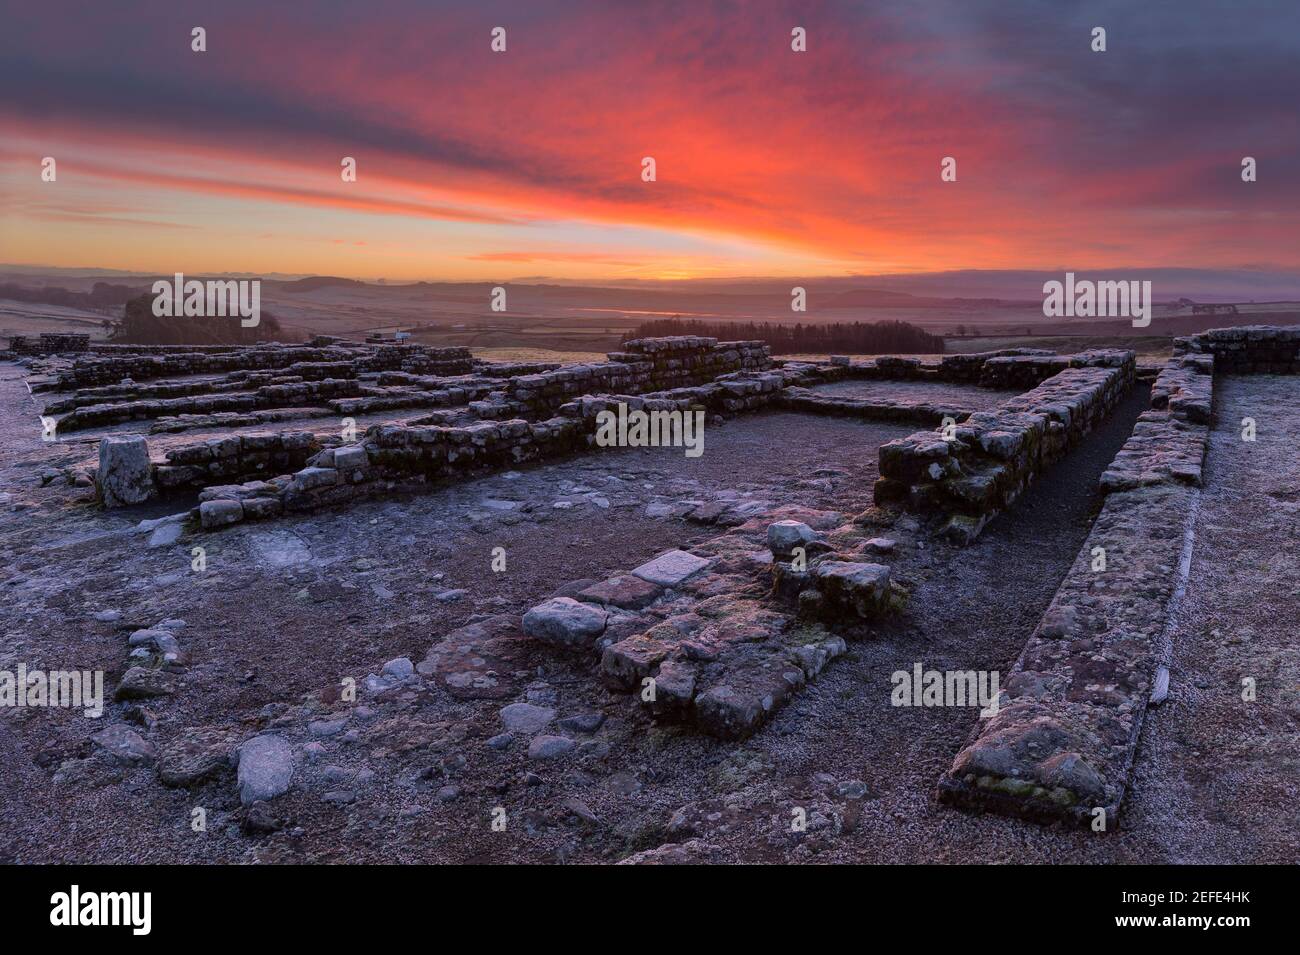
x=538 y=354
x=1150 y=348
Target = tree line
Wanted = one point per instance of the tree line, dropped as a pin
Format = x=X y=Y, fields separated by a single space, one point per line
x=858 y=338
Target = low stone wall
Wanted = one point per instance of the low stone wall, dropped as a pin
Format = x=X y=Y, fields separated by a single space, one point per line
x=269 y=396
x=239 y=457
x=1249 y=349
x=644 y=365
x=957 y=369
x=989 y=459
x=1064 y=739
x=1067 y=726
x=1021 y=372
x=49 y=343
x=407 y=457
x=104 y=369
x=870 y=409
x=1169 y=442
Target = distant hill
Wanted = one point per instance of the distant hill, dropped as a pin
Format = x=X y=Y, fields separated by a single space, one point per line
x=314 y=282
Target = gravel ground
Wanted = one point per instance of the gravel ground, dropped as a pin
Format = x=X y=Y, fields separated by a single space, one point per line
x=285 y=607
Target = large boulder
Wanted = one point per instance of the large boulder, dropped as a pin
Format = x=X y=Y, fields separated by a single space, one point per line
x=124 y=474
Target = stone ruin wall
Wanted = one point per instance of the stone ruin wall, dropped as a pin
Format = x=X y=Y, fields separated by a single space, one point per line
x=987 y=461
x=1249 y=349
x=525 y=416
x=1064 y=740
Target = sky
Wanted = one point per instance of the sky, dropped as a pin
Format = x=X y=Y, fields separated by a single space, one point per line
x=481 y=165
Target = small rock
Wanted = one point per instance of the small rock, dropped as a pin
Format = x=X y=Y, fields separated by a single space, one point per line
x=125 y=744
x=583 y=722
x=548 y=747
x=526 y=718
x=784 y=536
x=261 y=817
x=399 y=669
x=140 y=683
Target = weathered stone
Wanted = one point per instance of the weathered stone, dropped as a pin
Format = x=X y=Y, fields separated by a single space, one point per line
x=855 y=588
x=139 y=683
x=566 y=623
x=625 y=591
x=265 y=768
x=672 y=568
x=194 y=758
x=215 y=514
x=630 y=661
x=124 y=744
x=526 y=718
x=124 y=476
x=784 y=536
x=549 y=747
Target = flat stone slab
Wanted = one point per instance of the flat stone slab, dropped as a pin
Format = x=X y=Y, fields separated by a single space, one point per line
x=626 y=592
x=125 y=744
x=671 y=569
